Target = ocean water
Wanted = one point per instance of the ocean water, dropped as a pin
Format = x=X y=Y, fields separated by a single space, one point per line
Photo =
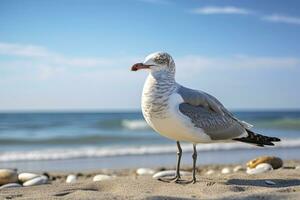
x=62 y=141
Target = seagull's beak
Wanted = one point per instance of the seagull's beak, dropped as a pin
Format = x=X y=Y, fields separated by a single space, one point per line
x=139 y=66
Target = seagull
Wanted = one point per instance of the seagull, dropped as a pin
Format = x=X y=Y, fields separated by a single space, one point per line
x=187 y=115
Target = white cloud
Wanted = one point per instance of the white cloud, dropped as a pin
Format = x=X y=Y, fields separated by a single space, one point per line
x=281 y=19
x=199 y=63
x=156 y=1
x=212 y=10
x=22 y=50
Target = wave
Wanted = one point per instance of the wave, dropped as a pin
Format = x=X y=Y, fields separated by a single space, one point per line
x=74 y=140
x=135 y=124
x=129 y=124
x=90 y=152
x=283 y=123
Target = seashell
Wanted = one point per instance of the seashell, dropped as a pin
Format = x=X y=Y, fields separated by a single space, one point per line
x=10 y=185
x=261 y=168
x=274 y=161
x=209 y=172
x=169 y=173
x=36 y=181
x=8 y=176
x=238 y=168
x=71 y=178
x=270 y=182
x=226 y=170
x=145 y=171
x=102 y=177
x=23 y=177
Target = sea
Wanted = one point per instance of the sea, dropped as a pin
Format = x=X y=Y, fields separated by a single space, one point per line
x=80 y=141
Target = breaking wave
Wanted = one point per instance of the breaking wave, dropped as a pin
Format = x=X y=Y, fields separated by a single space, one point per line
x=88 y=152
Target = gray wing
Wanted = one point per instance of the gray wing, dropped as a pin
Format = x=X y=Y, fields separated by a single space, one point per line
x=217 y=126
x=209 y=102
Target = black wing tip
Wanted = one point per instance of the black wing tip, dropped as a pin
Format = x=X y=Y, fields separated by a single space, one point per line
x=257 y=139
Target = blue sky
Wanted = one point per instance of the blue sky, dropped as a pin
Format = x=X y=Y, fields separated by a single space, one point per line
x=65 y=55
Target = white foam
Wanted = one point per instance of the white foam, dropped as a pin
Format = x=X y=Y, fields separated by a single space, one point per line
x=135 y=124
x=85 y=152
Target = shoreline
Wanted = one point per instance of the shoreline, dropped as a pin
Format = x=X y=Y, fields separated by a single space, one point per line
x=127 y=184
x=150 y=160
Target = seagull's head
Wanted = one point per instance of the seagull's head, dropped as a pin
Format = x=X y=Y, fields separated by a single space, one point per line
x=156 y=62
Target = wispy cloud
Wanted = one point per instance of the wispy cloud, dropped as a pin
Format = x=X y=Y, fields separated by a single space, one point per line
x=48 y=63
x=232 y=10
x=238 y=62
x=281 y=19
x=213 y=10
x=156 y=1
x=22 y=50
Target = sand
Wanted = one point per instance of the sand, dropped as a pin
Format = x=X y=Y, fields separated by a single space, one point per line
x=128 y=185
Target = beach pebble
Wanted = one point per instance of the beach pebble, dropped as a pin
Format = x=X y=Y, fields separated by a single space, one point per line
x=36 y=181
x=209 y=172
x=275 y=162
x=261 y=168
x=268 y=182
x=8 y=176
x=145 y=171
x=297 y=167
x=226 y=170
x=102 y=177
x=169 y=173
x=238 y=168
x=23 y=177
x=71 y=178
x=10 y=185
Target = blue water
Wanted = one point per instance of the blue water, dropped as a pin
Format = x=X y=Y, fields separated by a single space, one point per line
x=57 y=136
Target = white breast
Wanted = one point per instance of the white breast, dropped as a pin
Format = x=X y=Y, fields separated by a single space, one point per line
x=175 y=125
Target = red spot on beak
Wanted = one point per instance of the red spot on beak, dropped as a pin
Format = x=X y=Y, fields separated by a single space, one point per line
x=139 y=66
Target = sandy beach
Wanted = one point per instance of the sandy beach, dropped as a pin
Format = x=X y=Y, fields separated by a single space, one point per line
x=126 y=184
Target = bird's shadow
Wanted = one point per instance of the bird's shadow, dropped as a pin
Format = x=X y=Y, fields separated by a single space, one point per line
x=279 y=183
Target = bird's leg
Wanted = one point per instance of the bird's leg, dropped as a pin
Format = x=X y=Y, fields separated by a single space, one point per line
x=194 y=156
x=177 y=175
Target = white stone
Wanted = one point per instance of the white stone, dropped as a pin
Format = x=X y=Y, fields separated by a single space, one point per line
x=238 y=168
x=270 y=182
x=23 y=177
x=36 y=181
x=209 y=172
x=10 y=185
x=145 y=171
x=102 y=177
x=297 y=167
x=261 y=168
x=71 y=178
x=169 y=173
x=226 y=170
x=8 y=176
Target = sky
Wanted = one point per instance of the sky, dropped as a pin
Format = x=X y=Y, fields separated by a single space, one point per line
x=76 y=55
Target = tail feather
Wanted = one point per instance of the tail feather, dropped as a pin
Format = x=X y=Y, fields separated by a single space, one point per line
x=258 y=139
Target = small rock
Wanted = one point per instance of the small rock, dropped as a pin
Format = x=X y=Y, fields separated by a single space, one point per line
x=10 y=185
x=261 y=168
x=209 y=172
x=270 y=182
x=102 y=177
x=8 y=176
x=226 y=170
x=169 y=173
x=238 y=168
x=275 y=162
x=145 y=171
x=297 y=167
x=23 y=177
x=71 y=178
x=36 y=181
